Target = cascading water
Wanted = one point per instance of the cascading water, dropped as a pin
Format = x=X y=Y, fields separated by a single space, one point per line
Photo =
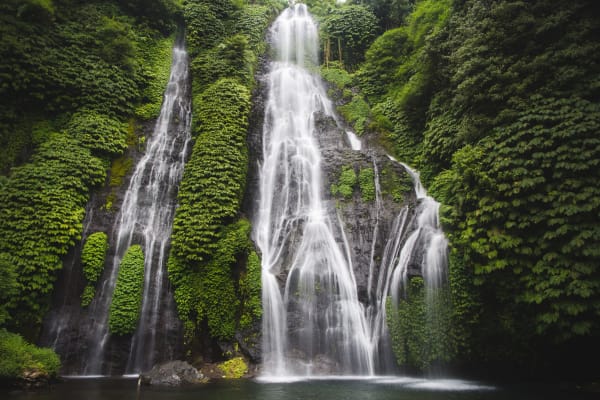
x=416 y=245
x=317 y=319
x=428 y=239
x=146 y=218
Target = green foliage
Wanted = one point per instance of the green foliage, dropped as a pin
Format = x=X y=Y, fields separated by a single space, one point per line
x=101 y=134
x=207 y=292
x=427 y=19
x=88 y=294
x=210 y=244
x=345 y=184
x=252 y=22
x=234 y=369
x=158 y=14
x=92 y=260
x=115 y=47
x=496 y=103
x=357 y=113
x=73 y=67
x=335 y=74
x=231 y=58
x=398 y=78
x=538 y=221
x=366 y=182
x=93 y=256
x=17 y=356
x=126 y=303
x=395 y=185
x=204 y=28
x=42 y=211
x=8 y=286
x=355 y=27
x=383 y=58
x=155 y=71
x=216 y=172
x=391 y=13
x=420 y=327
x=251 y=291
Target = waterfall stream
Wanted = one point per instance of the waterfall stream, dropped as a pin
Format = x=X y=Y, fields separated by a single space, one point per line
x=145 y=218
x=313 y=321
x=293 y=231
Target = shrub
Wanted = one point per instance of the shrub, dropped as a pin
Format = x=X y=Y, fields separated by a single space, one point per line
x=234 y=368
x=366 y=181
x=92 y=260
x=345 y=184
x=18 y=356
x=127 y=299
x=101 y=134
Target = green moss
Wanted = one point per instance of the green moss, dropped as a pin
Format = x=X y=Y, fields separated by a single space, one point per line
x=17 y=356
x=126 y=303
x=120 y=168
x=234 y=369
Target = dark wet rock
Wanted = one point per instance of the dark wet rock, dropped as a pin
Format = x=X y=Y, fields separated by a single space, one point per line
x=173 y=373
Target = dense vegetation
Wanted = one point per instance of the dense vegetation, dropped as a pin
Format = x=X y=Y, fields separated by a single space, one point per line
x=93 y=258
x=18 y=357
x=496 y=102
x=73 y=77
x=126 y=302
x=217 y=286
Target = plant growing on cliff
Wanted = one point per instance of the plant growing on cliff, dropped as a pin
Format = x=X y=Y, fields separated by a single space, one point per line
x=92 y=260
x=366 y=182
x=42 y=211
x=420 y=326
x=345 y=184
x=126 y=303
x=250 y=290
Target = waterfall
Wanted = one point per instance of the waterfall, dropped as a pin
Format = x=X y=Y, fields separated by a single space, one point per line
x=416 y=245
x=428 y=239
x=145 y=218
x=316 y=320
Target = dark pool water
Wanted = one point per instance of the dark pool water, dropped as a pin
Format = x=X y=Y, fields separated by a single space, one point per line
x=374 y=389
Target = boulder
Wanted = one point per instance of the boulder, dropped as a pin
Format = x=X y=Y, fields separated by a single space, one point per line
x=172 y=373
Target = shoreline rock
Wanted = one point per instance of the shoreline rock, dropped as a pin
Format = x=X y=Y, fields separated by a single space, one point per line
x=172 y=374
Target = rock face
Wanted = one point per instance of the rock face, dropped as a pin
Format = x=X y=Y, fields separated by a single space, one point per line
x=173 y=373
